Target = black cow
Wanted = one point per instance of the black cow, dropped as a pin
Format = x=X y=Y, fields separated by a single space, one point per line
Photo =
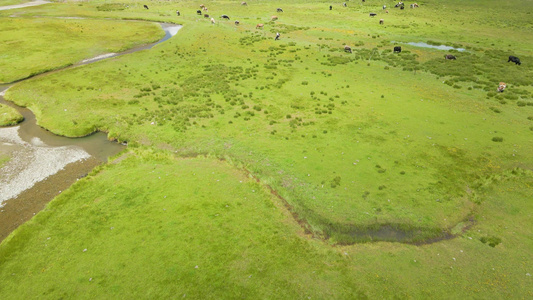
x=373 y=14
x=514 y=59
x=397 y=49
x=330 y=7
x=178 y=13
x=279 y=10
x=237 y=23
x=225 y=17
x=449 y=56
x=146 y=6
x=199 y=12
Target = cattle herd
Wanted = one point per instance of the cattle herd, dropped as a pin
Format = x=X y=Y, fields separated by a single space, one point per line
x=397 y=49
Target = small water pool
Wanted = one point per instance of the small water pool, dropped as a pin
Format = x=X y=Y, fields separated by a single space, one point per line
x=426 y=45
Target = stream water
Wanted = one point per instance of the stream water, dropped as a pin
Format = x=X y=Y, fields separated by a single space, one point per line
x=438 y=47
x=42 y=164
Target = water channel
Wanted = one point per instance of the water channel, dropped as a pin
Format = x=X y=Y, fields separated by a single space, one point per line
x=42 y=164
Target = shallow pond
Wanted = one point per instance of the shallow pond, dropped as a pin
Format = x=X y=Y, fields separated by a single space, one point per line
x=426 y=45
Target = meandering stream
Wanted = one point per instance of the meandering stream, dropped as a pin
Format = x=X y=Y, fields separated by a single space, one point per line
x=42 y=164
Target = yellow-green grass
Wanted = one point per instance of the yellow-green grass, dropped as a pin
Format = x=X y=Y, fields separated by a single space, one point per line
x=382 y=122
x=12 y=2
x=435 y=149
x=9 y=116
x=30 y=46
x=4 y=159
x=158 y=226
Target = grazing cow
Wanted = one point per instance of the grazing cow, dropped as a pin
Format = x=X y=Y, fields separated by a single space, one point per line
x=277 y=36
x=415 y=5
x=386 y=11
x=178 y=13
x=397 y=49
x=244 y=3
x=449 y=56
x=347 y=49
x=514 y=59
x=212 y=21
x=399 y=4
x=146 y=6
x=206 y=16
x=279 y=10
x=225 y=17
x=204 y=9
x=501 y=87
x=344 y=4
x=381 y=21
x=274 y=18
x=373 y=14
x=330 y=7
x=259 y=26
x=202 y=6
x=384 y=7
x=402 y=7
x=237 y=23
x=199 y=12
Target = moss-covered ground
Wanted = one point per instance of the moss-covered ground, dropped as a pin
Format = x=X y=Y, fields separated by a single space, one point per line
x=255 y=159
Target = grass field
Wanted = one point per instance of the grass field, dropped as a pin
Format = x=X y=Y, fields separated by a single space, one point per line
x=51 y=43
x=332 y=148
x=9 y=116
x=11 y=2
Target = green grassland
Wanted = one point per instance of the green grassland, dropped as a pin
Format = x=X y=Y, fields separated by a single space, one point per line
x=11 y=2
x=51 y=43
x=9 y=116
x=332 y=149
x=157 y=226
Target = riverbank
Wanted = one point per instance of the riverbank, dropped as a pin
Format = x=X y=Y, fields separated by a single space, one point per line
x=31 y=171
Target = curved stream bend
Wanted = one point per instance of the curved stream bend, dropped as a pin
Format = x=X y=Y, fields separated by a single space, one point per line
x=35 y=156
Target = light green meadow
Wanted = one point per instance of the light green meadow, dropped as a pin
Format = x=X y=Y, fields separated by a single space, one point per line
x=290 y=169
x=11 y=2
x=9 y=116
x=30 y=46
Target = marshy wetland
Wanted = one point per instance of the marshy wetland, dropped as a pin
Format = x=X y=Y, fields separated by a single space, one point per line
x=283 y=168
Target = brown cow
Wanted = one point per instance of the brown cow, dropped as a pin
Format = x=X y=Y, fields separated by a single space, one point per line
x=502 y=87
x=244 y=3
x=259 y=26
x=449 y=56
x=381 y=21
x=274 y=18
x=347 y=49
